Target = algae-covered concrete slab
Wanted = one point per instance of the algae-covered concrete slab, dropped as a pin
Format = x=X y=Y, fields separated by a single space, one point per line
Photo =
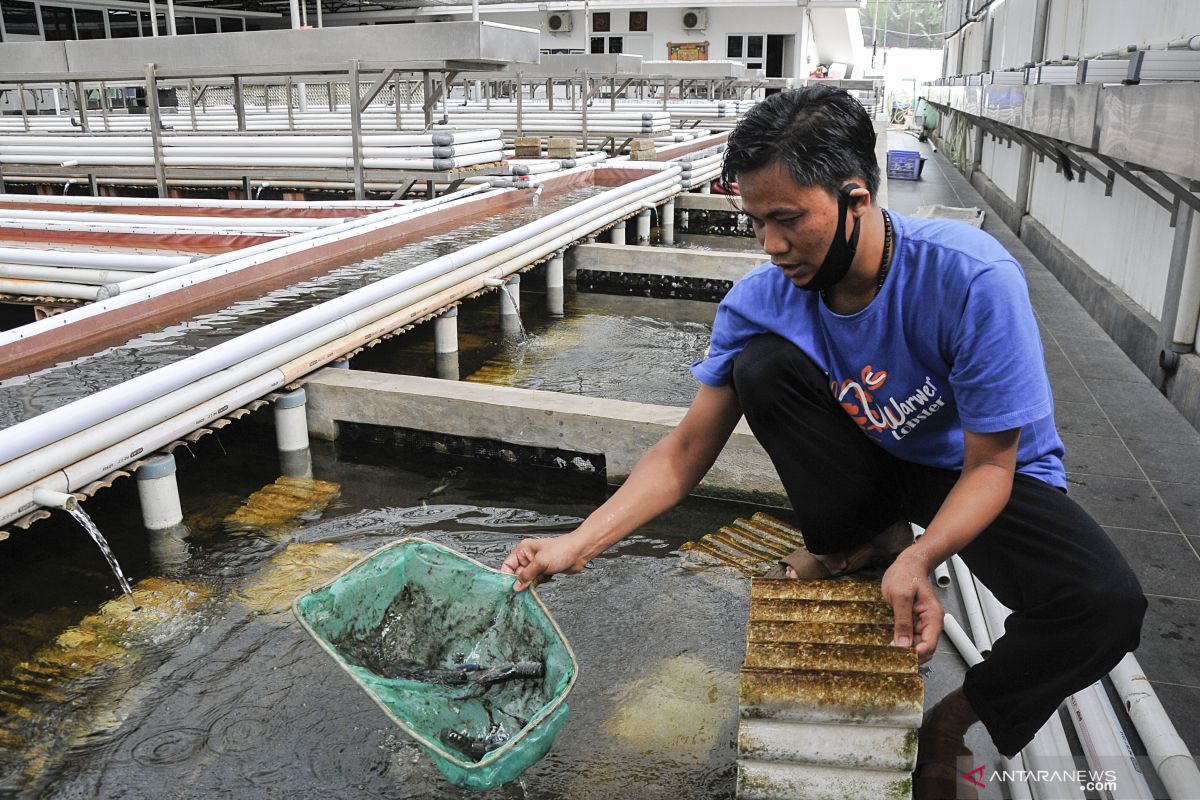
x=855 y=747
x=766 y=780
x=839 y=657
x=832 y=697
x=879 y=634
x=786 y=589
x=783 y=610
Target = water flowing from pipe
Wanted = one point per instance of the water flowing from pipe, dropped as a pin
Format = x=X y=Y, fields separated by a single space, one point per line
x=84 y=520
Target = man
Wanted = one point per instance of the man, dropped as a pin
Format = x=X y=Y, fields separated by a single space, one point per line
x=892 y=369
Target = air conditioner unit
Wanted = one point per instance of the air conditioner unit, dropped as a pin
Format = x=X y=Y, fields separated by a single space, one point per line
x=695 y=19
x=559 y=22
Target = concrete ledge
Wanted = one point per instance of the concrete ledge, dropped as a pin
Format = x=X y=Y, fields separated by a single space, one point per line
x=619 y=430
x=708 y=202
x=668 y=261
x=735 y=244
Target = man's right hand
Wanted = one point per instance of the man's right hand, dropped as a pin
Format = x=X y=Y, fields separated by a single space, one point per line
x=533 y=558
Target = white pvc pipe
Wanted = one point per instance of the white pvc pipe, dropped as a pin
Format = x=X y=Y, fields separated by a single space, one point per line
x=158 y=492
x=24 y=446
x=132 y=262
x=1102 y=748
x=190 y=222
x=970 y=599
x=1017 y=790
x=445 y=332
x=194 y=269
x=291 y=422
x=237 y=388
x=73 y=291
x=198 y=203
x=1175 y=765
x=958 y=637
x=94 y=277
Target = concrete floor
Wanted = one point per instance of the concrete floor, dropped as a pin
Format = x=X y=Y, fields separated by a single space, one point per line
x=1132 y=460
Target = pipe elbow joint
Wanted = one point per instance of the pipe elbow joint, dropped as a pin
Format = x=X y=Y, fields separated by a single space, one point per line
x=1169 y=360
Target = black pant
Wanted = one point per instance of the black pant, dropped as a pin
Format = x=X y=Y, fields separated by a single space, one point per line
x=1077 y=606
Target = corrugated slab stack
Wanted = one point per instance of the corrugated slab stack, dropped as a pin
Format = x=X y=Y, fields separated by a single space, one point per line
x=751 y=546
x=562 y=147
x=829 y=709
x=641 y=150
x=528 y=146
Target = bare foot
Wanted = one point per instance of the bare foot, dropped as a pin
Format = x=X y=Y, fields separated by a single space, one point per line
x=883 y=549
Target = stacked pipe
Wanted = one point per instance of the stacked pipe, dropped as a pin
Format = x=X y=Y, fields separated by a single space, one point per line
x=639 y=118
x=1107 y=750
x=290 y=209
x=39 y=272
x=700 y=169
x=440 y=150
x=68 y=447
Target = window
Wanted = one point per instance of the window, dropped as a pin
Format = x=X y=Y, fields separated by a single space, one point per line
x=746 y=48
x=184 y=26
x=607 y=44
x=122 y=24
x=20 y=19
x=58 y=23
x=637 y=21
x=89 y=23
x=601 y=22
x=144 y=16
x=205 y=25
x=253 y=25
x=231 y=24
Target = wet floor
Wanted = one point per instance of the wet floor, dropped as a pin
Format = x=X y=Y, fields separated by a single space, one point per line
x=27 y=396
x=213 y=689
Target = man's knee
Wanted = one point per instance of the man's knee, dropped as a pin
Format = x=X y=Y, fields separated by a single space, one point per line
x=1115 y=610
x=766 y=362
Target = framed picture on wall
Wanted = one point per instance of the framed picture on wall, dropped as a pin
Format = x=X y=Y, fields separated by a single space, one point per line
x=601 y=22
x=637 y=21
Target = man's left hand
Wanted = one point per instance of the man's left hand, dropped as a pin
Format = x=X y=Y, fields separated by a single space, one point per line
x=907 y=589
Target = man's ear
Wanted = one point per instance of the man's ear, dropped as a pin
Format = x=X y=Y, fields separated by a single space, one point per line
x=858 y=199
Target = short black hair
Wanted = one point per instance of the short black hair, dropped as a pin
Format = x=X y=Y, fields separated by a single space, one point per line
x=820 y=134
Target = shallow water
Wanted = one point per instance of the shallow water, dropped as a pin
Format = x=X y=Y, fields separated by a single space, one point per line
x=617 y=347
x=214 y=686
x=27 y=396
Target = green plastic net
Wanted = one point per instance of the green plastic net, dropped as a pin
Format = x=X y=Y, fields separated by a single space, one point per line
x=476 y=673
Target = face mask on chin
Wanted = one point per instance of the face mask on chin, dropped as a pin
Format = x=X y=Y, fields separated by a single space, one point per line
x=841 y=251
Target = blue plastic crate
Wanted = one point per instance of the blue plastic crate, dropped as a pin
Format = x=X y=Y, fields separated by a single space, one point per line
x=904 y=165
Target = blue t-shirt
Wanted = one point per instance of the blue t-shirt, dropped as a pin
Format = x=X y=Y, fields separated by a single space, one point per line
x=950 y=343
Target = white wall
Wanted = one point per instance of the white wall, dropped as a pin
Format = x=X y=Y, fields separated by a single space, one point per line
x=664 y=25
x=1126 y=237
x=1085 y=27
x=1002 y=164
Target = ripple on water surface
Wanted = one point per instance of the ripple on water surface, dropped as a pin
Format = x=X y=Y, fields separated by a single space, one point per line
x=233 y=699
